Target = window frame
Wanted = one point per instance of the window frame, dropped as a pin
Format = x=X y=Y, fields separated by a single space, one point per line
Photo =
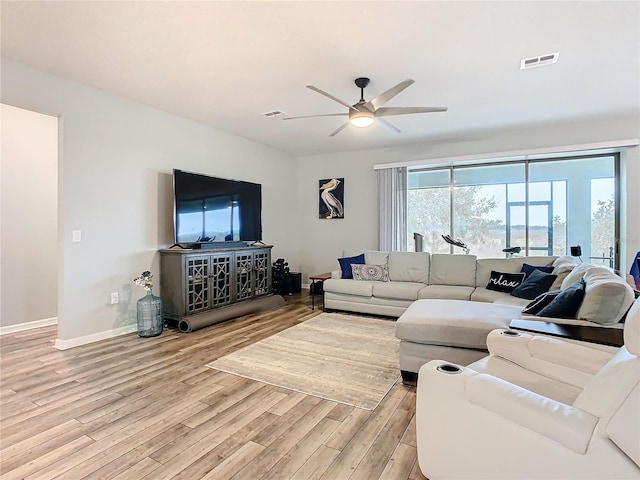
x=527 y=162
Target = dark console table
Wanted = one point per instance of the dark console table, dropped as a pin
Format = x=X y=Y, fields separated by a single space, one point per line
x=211 y=284
x=593 y=334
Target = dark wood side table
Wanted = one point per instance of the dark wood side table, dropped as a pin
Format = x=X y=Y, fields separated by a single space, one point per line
x=593 y=334
x=321 y=277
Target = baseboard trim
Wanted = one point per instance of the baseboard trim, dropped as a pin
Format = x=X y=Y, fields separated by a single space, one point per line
x=95 y=337
x=21 y=327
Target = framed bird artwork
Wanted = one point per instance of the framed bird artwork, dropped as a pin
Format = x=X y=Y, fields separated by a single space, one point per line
x=331 y=198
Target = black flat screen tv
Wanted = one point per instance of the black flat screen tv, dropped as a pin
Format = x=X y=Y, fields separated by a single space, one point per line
x=210 y=209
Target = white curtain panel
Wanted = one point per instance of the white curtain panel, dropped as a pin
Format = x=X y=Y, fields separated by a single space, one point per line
x=392 y=208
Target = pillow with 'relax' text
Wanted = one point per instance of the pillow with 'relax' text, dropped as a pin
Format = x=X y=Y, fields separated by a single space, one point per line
x=504 y=282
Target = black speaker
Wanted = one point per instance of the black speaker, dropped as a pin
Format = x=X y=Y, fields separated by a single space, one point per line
x=576 y=251
x=293 y=283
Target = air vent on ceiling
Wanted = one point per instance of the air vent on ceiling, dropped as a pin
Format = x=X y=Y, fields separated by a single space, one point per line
x=274 y=114
x=540 y=61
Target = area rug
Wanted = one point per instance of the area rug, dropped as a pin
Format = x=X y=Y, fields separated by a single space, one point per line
x=345 y=358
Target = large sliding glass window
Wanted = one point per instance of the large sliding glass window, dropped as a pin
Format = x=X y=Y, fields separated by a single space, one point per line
x=542 y=206
x=483 y=216
x=429 y=208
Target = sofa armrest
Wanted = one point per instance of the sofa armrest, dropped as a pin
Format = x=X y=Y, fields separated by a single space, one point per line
x=336 y=274
x=556 y=421
x=516 y=409
x=567 y=362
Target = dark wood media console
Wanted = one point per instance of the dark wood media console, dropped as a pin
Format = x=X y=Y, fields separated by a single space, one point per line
x=197 y=281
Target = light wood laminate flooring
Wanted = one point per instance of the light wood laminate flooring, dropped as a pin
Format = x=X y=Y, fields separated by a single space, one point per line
x=134 y=408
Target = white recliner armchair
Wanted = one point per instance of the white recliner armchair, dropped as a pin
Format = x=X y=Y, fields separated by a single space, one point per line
x=536 y=407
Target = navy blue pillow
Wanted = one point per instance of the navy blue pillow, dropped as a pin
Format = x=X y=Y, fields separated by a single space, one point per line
x=534 y=284
x=346 y=262
x=567 y=304
x=527 y=269
x=540 y=302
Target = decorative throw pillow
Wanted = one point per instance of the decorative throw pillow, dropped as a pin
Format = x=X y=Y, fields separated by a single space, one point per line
x=567 y=304
x=540 y=302
x=504 y=282
x=534 y=284
x=375 y=273
x=346 y=262
x=527 y=269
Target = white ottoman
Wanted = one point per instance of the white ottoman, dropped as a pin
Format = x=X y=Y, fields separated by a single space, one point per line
x=451 y=330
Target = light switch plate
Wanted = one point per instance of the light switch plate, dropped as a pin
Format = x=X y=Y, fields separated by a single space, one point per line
x=76 y=236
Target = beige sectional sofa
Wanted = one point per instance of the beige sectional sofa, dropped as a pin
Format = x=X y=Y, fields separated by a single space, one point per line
x=446 y=311
x=420 y=275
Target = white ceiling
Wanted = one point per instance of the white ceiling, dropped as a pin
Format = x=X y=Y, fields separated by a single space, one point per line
x=225 y=63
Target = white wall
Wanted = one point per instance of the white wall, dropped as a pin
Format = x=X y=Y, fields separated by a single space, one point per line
x=115 y=168
x=323 y=241
x=115 y=186
x=28 y=213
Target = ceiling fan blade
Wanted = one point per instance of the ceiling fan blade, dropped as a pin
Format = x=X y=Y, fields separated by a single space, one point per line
x=328 y=95
x=388 y=111
x=313 y=116
x=389 y=125
x=383 y=98
x=339 y=129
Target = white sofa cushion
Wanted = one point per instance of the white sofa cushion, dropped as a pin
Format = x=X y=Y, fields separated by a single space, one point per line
x=453 y=270
x=374 y=257
x=409 y=266
x=624 y=427
x=486 y=265
x=349 y=286
x=449 y=292
x=481 y=294
x=632 y=329
x=607 y=297
x=561 y=271
x=568 y=426
x=569 y=363
x=609 y=387
x=452 y=322
x=512 y=372
x=576 y=274
x=562 y=260
x=514 y=301
x=399 y=290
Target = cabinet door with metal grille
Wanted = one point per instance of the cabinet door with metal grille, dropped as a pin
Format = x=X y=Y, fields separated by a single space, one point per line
x=262 y=270
x=244 y=276
x=197 y=282
x=220 y=279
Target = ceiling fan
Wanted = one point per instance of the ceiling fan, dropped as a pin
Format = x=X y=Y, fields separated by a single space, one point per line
x=363 y=114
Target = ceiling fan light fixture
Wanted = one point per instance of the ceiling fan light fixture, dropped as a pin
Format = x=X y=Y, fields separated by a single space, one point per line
x=363 y=114
x=361 y=119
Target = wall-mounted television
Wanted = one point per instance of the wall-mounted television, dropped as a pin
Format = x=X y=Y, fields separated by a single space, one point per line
x=210 y=209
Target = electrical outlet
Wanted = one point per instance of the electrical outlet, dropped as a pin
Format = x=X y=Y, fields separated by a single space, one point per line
x=114 y=298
